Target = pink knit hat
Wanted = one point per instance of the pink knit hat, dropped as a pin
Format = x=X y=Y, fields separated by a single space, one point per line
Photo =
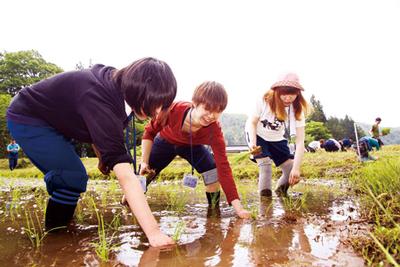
x=288 y=80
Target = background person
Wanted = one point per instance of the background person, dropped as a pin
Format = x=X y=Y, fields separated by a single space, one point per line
x=12 y=150
x=313 y=146
x=375 y=132
x=330 y=145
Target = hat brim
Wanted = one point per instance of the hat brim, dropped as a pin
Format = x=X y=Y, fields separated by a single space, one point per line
x=293 y=84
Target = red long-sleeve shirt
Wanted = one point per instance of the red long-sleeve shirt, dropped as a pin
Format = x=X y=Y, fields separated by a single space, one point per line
x=211 y=135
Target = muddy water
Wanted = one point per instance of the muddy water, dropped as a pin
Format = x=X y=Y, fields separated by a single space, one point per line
x=307 y=229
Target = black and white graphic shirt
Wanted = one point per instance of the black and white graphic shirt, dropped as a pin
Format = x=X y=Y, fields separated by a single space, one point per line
x=269 y=127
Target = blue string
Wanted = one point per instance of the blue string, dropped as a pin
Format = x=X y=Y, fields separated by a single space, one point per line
x=127 y=141
x=134 y=146
x=191 y=141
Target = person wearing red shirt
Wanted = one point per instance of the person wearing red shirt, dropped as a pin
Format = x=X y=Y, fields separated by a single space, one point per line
x=184 y=131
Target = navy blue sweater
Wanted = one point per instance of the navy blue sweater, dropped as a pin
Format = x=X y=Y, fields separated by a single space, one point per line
x=85 y=105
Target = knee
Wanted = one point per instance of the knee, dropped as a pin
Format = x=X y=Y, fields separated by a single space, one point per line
x=74 y=181
x=214 y=187
x=210 y=177
x=264 y=162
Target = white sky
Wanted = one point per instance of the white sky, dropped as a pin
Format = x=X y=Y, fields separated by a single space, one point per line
x=346 y=52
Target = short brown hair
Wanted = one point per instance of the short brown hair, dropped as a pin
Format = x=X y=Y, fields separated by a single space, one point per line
x=212 y=95
x=147 y=84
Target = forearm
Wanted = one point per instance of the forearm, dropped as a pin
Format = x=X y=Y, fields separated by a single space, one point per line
x=298 y=157
x=236 y=204
x=146 y=150
x=252 y=128
x=136 y=199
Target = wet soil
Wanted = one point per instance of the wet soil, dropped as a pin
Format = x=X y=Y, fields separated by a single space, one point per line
x=309 y=228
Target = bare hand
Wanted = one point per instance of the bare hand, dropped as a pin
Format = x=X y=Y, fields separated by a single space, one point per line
x=243 y=214
x=160 y=239
x=255 y=150
x=294 y=177
x=145 y=170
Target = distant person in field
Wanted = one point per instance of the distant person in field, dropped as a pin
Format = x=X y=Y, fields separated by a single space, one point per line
x=364 y=147
x=92 y=106
x=313 y=146
x=371 y=142
x=186 y=131
x=12 y=150
x=276 y=116
x=331 y=145
x=347 y=142
x=375 y=132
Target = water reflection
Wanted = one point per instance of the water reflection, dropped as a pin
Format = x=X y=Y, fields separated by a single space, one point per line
x=282 y=234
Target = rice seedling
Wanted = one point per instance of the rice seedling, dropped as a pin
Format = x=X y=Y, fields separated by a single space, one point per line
x=179 y=228
x=34 y=230
x=14 y=205
x=389 y=257
x=102 y=246
x=295 y=204
x=253 y=212
x=176 y=200
x=116 y=221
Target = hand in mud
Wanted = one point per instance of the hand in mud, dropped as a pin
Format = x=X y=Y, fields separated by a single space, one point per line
x=145 y=170
x=255 y=150
x=294 y=177
x=159 y=239
x=243 y=214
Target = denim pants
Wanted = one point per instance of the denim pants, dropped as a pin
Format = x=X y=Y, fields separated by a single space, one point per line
x=55 y=156
x=163 y=152
x=13 y=161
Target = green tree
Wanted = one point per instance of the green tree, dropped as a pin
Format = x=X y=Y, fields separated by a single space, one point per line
x=23 y=68
x=343 y=128
x=317 y=112
x=4 y=134
x=316 y=130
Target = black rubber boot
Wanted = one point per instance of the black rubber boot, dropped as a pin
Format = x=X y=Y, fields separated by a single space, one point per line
x=58 y=215
x=281 y=191
x=266 y=193
x=213 y=199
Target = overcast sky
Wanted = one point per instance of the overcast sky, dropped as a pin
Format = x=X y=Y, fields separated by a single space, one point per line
x=346 y=52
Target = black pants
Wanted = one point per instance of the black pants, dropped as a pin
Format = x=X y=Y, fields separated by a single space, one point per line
x=12 y=162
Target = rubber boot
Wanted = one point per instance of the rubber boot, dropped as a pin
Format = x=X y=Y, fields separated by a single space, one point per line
x=281 y=191
x=213 y=199
x=58 y=215
x=266 y=193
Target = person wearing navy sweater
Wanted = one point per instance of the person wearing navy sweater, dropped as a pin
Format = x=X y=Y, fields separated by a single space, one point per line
x=90 y=106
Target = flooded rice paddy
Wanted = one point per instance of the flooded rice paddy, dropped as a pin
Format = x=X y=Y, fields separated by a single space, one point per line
x=309 y=228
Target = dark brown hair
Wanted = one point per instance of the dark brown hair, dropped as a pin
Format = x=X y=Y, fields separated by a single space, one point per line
x=212 y=95
x=147 y=84
x=272 y=97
